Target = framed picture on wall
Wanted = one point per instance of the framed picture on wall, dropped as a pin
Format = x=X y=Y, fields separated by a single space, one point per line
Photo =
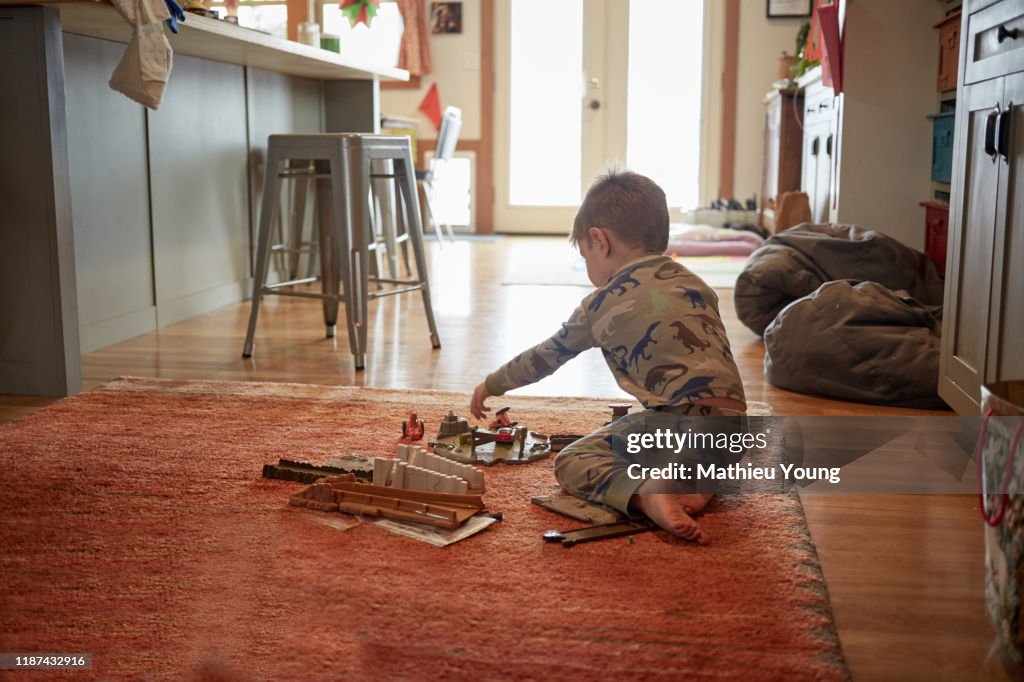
x=446 y=17
x=779 y=9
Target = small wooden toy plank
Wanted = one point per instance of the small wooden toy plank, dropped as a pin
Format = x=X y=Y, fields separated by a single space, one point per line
x=568 y=538
x=578 y=509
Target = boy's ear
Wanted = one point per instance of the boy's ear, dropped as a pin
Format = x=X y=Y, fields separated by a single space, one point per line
x=600 y=238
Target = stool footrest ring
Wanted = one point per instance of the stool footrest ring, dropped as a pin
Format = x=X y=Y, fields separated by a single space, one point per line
x=266 y=291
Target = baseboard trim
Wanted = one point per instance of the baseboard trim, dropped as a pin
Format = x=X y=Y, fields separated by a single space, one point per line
x=177 y=309
x=105 y=333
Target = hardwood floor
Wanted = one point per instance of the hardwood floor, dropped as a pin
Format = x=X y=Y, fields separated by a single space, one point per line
x=904 y=572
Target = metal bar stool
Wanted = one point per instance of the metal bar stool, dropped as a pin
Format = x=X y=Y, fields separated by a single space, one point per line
x=343 y=186
x=389 y=232
x=291 y=242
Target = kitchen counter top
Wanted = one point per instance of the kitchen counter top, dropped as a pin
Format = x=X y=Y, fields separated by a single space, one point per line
x=220 y=41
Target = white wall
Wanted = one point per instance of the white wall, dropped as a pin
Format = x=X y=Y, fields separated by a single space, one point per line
x=884 y=165
x=761 y=42
x=456 y=61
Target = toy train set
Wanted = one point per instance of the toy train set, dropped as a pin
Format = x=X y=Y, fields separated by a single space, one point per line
x=441 y=488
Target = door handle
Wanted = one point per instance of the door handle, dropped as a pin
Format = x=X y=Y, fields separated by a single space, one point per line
x=1003 y=132
x=594 y=104
x=1002 y=33
x=828 y=145
x=990 y=133
x=814 y=146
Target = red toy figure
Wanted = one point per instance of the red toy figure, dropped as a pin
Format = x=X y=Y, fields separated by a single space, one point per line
x=412 y=429
x=619 y=410
x=505 y=434
x=501 y=420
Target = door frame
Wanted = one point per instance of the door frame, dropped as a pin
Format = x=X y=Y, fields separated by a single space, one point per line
x=715 y=77
x=604 y=57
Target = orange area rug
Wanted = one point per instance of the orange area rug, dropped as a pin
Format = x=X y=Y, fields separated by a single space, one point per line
x=135 y=526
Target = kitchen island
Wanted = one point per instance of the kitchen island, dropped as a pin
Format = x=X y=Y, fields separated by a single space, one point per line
x=116 y=220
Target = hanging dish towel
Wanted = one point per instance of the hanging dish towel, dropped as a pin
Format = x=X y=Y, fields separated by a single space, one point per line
x=146 y=65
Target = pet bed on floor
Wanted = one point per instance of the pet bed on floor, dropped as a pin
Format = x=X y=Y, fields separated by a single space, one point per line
x=857 y=341
x=794 y=263
x=705 y=240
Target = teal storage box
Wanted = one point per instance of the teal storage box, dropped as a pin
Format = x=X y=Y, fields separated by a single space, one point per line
x=942 y=146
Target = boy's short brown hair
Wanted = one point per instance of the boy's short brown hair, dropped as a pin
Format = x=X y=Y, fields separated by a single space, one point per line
x=630 y=205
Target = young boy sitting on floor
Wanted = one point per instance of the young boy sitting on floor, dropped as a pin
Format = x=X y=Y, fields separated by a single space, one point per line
x=659 y=329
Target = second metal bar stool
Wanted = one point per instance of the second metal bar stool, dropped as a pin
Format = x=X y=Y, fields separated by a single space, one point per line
x=343 y=184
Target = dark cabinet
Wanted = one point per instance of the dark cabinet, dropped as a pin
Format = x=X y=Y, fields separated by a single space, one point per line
x=983 y=320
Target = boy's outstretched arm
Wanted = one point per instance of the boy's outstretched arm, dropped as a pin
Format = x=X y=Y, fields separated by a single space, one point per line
x=536 y=363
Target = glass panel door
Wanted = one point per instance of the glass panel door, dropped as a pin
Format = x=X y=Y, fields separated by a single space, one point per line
x=545 y=143
x=663 y=103
x=584 y=84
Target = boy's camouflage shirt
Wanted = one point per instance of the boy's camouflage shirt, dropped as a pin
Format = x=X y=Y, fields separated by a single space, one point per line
x=659 y=328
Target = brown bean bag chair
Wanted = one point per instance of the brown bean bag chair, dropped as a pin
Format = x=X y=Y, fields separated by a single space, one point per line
x=857 y=341
x=794 y=263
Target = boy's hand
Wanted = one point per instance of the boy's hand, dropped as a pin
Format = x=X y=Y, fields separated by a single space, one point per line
x=477 y=407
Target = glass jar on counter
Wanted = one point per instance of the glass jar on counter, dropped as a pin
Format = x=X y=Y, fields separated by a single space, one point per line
x=309 y=33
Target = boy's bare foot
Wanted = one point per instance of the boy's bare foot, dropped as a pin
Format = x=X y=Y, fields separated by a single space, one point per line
x=669 y=512
x=694 y=503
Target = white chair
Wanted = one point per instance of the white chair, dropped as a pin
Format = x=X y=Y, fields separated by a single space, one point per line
x=447 y=139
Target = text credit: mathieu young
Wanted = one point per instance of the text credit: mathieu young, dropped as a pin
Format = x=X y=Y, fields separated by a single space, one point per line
x=668 y=440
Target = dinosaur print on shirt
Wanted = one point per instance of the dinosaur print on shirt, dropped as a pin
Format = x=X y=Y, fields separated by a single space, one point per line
x=659 y=330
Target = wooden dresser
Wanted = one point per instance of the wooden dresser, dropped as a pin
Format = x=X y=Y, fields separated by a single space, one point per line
x=783 y=134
